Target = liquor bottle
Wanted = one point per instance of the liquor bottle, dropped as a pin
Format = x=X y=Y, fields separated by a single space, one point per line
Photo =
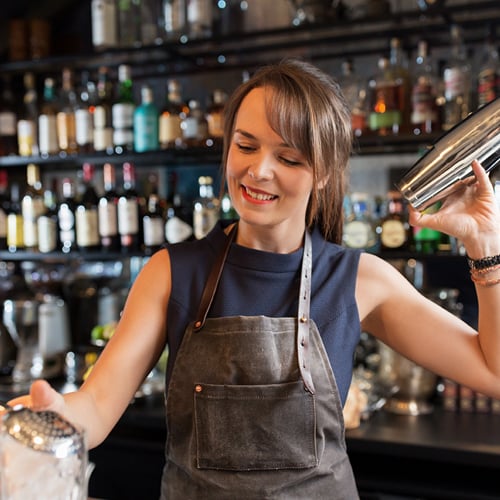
x=227 y=211
x=171 y=116
x=153 y=221
x=86 y=215
x=457 y=81
x=398 y=73
x=359 y=226
x=424 y=95
x=174 y=19
x=149 y=15
x=65 y=118
x=179 y=222
x=47 y=123
x=4 y=207
x=215 y=117
x=123 y=111
x=488 y=79
x=66 y=216
x=194 y=126
x=27 y=134
x=354 y=90
x=199 y=18
x=32 y=206
x=8 y=118
x=394 y=229
x=128 y=211
x=84 y=114
x=108 y=211
x=103 y=123
x=129 y=23
x=146 y=122
x=206 y=210
x=104 y=24
x=385 y=114
x=47 y=222
x=15 y=232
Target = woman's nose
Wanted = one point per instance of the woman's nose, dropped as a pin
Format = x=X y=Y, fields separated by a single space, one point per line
x=261 y=169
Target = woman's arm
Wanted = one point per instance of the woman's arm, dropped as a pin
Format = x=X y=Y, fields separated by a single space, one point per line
x=131 y=353
x=392 y=310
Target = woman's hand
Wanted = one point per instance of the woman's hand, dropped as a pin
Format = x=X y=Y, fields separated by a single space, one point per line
x=470 y=214
x=41 y=397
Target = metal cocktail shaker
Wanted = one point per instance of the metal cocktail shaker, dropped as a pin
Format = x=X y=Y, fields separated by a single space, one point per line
x=448 y=164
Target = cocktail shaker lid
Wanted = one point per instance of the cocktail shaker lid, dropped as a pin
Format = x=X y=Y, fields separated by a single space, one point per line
x=44 y=431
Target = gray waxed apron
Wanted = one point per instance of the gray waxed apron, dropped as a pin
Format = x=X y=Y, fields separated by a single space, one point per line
x=253 y=409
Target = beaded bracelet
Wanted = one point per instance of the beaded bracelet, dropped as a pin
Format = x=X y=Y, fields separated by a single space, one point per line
x=483 y=263
x=485 y=270
x=485 y=282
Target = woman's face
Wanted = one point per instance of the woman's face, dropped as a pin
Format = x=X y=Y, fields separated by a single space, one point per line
x=268 y=180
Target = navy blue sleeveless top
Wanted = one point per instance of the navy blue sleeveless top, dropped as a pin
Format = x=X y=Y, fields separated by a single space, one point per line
x=255 y=283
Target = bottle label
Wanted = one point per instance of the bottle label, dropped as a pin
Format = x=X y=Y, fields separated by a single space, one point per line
x=357 y=234
x=47 y=234
x=154 y=234
x=108 y=225
x=3 y=223
x=47 y=134
x=423 y=108
x=31 y=208
x=101 y=117
x=454 y=83
x=393 y=234
x=7 y=123
x=26 y=137
x=176 y=230
x=15 y=238
x=66 y=130
x=83 y=127
x=128 y=216
x=66 y=219
x=123 y=137
x=123 y=115
x=103 y=139
x=103 y=18
x=170 y=128
x=87 y=233
x=175 y=16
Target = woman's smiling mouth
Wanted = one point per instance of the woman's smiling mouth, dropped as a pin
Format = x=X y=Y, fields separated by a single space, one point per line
x=257 y=196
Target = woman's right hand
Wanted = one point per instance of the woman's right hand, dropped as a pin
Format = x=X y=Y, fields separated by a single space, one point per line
x=41 y=397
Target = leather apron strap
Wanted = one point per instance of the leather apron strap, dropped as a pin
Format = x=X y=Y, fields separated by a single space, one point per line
x=303 y=320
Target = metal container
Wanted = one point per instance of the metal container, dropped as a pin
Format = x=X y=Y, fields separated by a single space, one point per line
x=448 y=164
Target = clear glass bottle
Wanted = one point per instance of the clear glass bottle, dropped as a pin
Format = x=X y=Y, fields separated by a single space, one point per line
x=171 y=116
x=199 y=18
x=174 y=19
x=102 y=118
x=32 y=206
x=146 y=122
x=66 y=216
x=8 y=118
x=108 y=211
x=65 y=118
x=359 y=226
x=206 y=210
x=153 y=223
x=47 y=123
x=179 y=222
x=194 y=126
x=424 y=95
x=457 y=81
x=128 y=212
x=123 y=111
x=385 y=114
x=86 y=215
x=104 y=24
x=27 y=134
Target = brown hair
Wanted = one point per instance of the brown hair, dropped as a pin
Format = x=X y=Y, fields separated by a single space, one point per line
x=309 y=112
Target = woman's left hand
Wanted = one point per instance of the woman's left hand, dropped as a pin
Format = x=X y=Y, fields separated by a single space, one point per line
x=470 y=214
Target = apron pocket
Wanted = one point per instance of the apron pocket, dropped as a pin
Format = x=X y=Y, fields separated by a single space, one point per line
x=255 y=427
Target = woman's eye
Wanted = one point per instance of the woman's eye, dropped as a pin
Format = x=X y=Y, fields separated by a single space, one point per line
x=245 y=148
x=292 y=163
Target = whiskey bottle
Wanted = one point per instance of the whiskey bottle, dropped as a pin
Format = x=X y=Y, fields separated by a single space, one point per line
x=65 y=118
x=32 y=206
x=394 y=229
x=171 y=116
x=8 y=119
x=15 y=232
x=359 y=230
x=27 y=135
x=215 y=117
x=194 y=126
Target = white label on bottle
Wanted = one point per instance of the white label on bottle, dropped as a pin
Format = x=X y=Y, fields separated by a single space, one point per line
x=47 y=134
x=87 y=233
x=26 y=137
x=104 y=23
x=174 y=15
x=66 y=219
x=3 y=223
x=103 y=139
x=393 y=234
x=47 y=234
x=153 y=231
x=83 y=127
x=122 y=115
x=356 y=234
x=454 y=83
x=123 y=137
x=108 y=225
x=177 y=230
x=31 y=209
x=169 y=128
x=128 y=216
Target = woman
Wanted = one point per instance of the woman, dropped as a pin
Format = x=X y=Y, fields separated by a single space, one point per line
x=262 y=317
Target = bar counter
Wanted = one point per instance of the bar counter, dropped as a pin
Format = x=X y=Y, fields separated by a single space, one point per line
x=442 y=455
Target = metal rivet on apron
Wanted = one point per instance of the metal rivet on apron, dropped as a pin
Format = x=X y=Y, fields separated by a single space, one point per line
x=198 y=388
x=303 y=319
x=197 y=324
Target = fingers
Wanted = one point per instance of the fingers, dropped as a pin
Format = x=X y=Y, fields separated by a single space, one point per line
x=41 y=397
x=481 y=175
